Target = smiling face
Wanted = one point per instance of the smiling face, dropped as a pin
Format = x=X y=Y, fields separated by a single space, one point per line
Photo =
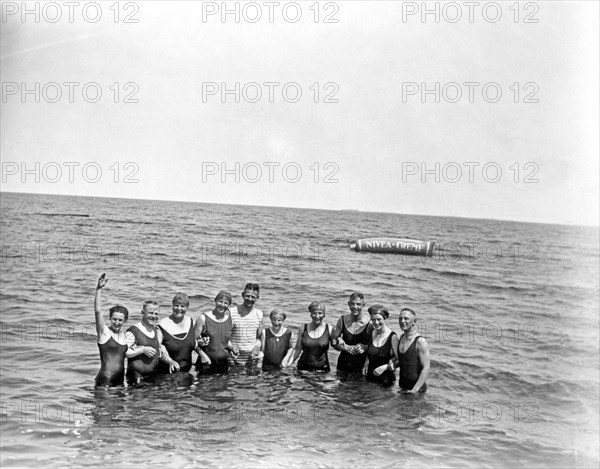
x=406 y=321
x=116 y=321
x=221 y=306
x=277 y=321
x=150 y=315
x=179 y=310
x=378 y=321
x=250 y=297
x=356 y=306
x=317 y=315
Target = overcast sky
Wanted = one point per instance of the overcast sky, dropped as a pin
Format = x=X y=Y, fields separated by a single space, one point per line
x=368 y=143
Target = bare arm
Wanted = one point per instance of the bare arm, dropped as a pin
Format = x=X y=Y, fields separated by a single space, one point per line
x=134 y=349
x=262 y=340
x=287 y=360
x=261 y=327
x=394 y=359
x=198 y=329
x=164 y=354
x=298 y=348
x=338 y=342
x=332 y=341
x=98 y=305
x=423 y=351
x=365 y=367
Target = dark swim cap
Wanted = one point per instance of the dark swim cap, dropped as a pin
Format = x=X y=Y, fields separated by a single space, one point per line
x=379 y=309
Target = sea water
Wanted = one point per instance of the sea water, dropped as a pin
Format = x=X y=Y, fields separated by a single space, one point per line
x=510 y=311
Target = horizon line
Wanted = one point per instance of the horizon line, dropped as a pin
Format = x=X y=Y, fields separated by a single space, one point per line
x=348 y=210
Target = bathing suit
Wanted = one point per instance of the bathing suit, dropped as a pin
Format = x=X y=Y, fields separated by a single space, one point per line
x=276 y=348
x=347 y=361
x=381 y=356
x=410 y=367
x=314 y=351
x=220 y=334
x=112 y=363
x=179 y=348
x=142 y=366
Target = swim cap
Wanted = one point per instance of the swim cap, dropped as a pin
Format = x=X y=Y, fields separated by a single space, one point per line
x=379 y=309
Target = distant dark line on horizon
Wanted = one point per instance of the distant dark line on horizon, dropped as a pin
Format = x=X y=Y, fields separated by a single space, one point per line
x=349 y=211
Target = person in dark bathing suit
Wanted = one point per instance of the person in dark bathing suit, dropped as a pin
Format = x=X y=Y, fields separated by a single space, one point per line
x=413 y=355
x=352 y=334
x=277 y=342
x=179 y=336
x=313 y=341
x=145 y=350
x=111 y=340
x=216 y=326
x=383 y=349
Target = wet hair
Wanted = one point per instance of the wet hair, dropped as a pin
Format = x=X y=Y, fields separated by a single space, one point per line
x=409 y=310
x=181 y=298
x=277 y=312
x=316 y=305
x=379 y=309
x=252 y=287
x=148 y=303
x=118 y=309
x=224 y=294
x=356 y=295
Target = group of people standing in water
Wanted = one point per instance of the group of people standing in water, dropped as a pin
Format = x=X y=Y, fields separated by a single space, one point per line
x=229 y=336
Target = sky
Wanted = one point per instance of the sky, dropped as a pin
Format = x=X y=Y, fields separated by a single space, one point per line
x=435 y=108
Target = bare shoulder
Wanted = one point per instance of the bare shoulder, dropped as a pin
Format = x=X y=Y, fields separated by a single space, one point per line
x=422 y=343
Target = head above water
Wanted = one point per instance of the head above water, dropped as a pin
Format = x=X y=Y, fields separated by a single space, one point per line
x=277 y=313
x=355 y=296
x=251 y=287
x=379 y=309
x=118 y=309
x=408 y=310
x=317 y=305
x=224 y=295
x=150 y=305
x=181 y=298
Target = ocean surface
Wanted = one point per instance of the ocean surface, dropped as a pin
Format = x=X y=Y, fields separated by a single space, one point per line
x=510 y=311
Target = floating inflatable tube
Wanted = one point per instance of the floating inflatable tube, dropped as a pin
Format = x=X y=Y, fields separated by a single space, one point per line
x=394 y=245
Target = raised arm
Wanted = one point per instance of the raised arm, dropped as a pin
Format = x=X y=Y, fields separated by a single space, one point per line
x=423 y=351
x=98 y=305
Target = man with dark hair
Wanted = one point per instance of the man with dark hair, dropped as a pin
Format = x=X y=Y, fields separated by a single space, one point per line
x=247 y=327
x=352 y=334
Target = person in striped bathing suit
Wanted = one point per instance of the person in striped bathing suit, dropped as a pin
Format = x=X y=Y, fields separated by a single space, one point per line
x=247 y=328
